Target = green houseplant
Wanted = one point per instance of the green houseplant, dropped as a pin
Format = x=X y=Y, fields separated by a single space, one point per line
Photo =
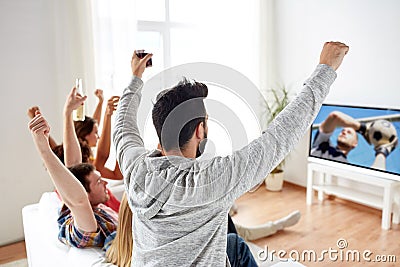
x=277 y=100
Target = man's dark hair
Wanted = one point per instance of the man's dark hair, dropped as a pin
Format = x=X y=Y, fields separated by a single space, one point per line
x=178 y=111
x=81 y=171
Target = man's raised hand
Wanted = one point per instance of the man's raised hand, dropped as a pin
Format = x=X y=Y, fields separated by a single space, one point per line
x=40 y=129
x=138 y=65
x=333 y=53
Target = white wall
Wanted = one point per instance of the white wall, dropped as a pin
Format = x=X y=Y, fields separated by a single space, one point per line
x=41 y=53
x=370 y=71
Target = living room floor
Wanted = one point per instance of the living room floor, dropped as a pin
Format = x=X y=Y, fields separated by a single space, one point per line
x=321 y=226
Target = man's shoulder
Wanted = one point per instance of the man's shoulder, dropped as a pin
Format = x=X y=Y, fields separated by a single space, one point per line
x=321 y=136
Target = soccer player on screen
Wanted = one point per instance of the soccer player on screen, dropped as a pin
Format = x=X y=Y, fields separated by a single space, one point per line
x=381 y=134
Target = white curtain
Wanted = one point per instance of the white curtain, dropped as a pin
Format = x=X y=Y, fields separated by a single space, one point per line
x=74 y=46
x=268 y=75
x=114 y=29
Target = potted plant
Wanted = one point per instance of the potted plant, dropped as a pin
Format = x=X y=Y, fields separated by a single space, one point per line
x=278 y=100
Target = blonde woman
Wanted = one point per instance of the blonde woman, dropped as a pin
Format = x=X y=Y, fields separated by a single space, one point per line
x=119 y=252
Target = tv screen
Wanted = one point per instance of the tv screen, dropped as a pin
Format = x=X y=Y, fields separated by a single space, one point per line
x=374 y=145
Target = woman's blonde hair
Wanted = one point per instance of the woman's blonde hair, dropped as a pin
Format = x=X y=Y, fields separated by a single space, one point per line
x=120 y=251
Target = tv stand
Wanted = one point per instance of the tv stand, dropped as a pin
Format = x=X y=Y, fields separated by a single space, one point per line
x=322 y=183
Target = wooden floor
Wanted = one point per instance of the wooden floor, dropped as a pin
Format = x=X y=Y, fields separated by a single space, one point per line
x=12 y=252
x=320 y=227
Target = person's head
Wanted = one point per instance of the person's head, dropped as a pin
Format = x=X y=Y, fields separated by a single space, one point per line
x=120 y=250
x=179 y=114
x=87 y=130
x=91 y=180
x=86 y=151
x=347 y=140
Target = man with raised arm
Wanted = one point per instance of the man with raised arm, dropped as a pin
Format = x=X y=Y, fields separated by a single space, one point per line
x=84 y=220
x=180 y=204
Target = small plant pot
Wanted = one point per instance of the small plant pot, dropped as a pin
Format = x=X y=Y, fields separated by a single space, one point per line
x=274 y=181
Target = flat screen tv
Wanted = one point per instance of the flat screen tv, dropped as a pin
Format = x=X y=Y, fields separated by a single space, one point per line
x=379 y=153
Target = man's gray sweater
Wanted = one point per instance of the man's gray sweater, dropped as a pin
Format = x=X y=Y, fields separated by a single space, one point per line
x=180 y=205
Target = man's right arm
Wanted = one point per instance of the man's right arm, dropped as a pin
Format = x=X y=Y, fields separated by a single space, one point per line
x=126 y=133
x=71 y=190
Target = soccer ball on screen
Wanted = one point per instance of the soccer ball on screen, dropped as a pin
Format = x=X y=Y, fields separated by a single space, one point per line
x=381 y=132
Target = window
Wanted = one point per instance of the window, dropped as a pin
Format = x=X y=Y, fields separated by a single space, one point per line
x=177 y=32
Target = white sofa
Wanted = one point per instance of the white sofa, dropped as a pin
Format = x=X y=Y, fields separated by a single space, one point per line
x=45 y=250
x=41 y=235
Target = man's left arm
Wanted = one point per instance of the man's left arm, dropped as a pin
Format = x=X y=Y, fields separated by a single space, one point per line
x=254 y=162
x=231 y=176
